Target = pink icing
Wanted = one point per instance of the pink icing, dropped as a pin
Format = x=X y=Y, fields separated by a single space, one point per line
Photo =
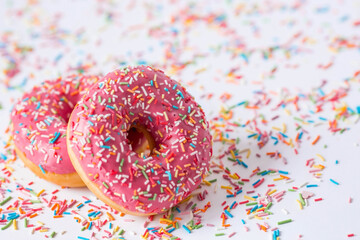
x=99 y=127
x=41 y=115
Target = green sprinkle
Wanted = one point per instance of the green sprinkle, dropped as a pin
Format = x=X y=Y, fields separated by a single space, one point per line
x=145 y=175
x=25 y=222
x=5 y=200
x=77 y=85
x=302 y=199
x=219 y=234
x=213 y=180
x=121 y=232
x=105 y=185
x=284 y=222
x=7 y=225
x=251 y=204
x=268 y=205
x=124 y=83
x=291 y=190
x=52 y=235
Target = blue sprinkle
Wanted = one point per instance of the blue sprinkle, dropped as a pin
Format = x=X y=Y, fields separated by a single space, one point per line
x=252 y=135
x=188 y=230
x=300 y=135
x=38 y=105
x=174 y=86
x=282 y=134
x=104 y=146
x=175 y=107
x=227 y=213
x=311 y=185
x=333 y=181
x=169 y=174
x=256 y=182
x=180 y=93
x=41 y=168
x=283 y=172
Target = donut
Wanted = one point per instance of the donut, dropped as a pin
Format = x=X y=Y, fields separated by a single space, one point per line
x=39 y=122
x=165 y=116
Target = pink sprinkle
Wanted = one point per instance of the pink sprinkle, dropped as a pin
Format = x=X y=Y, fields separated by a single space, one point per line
x=232 y=234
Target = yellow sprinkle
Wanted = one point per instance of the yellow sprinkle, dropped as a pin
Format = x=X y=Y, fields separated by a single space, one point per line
x=165 y=220
x=278 y=179
x=277 y=129
x=152 y=99
x=40 y=223
x=321 y=157
x=284 y=128
x=116 y=229
x=15 y=224
x=111 y=218
x=38 y=195
x=232 y=154
x=166 y=117
x=271 y=192
x=226 y=187
x=300 y=205
x=257 y=217
x=248 y=153
x=204 y=181
x=249 y=198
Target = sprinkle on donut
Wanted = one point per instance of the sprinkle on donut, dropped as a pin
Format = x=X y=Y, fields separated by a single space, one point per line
x=39 y=122
x=102 y=154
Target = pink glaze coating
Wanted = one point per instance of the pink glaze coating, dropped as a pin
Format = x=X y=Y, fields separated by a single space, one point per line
x=99 y=128
x=40 y=120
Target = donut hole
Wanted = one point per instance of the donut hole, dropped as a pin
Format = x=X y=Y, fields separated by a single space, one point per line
x=140 y=139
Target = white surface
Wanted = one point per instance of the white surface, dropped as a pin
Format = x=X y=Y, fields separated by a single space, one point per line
x=88 y=37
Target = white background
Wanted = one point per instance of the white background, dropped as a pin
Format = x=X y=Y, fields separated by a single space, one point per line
x=83 y=34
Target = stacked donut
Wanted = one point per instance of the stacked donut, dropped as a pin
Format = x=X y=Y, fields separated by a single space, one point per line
x=135 y=137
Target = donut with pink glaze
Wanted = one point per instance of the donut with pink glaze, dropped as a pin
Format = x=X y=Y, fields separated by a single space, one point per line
x=39 y=122
x=101 y=141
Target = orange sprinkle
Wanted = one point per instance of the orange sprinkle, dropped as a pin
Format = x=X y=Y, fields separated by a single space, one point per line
x=316 y=140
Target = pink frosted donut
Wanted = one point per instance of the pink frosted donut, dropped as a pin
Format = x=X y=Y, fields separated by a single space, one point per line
x=99 y=147
x=39 y=122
